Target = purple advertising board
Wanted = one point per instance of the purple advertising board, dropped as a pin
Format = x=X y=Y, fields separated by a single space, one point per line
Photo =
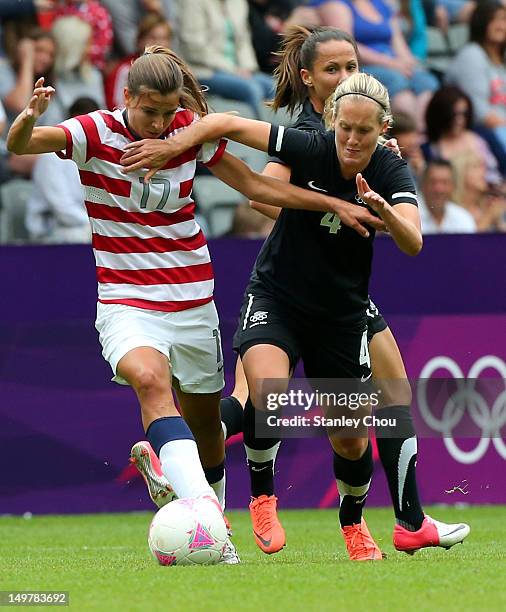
x=66 y=430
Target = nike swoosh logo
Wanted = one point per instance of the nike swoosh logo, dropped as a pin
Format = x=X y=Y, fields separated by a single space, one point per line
x=313 y=186
x=361 y=500
x=264 y=542
x=366 y=378
x=455 y=530
x=255 y=469
x=220 y=368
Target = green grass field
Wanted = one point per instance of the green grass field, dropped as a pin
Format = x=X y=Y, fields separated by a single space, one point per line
x=104 y=562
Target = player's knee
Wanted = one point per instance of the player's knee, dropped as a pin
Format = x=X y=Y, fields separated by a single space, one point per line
x=267 y=397
x=267 y=388
x=395 y=393
x=147 y=379
x=350 y=448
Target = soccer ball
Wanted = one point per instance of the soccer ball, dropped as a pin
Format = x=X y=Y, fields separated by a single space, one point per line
x=188 y=532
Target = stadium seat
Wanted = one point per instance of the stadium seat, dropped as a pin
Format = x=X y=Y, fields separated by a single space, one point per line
x=280 y=117
x=458 y=35
x=256 y=160
x=439 y=52
x=442 y=48
x=13 y=198
x=224 y=105
x=216 y=203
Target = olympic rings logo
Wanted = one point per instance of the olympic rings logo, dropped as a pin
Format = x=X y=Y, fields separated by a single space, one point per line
x=466 y=398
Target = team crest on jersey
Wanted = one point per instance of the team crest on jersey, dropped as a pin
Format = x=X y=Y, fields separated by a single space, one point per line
x=258 y=318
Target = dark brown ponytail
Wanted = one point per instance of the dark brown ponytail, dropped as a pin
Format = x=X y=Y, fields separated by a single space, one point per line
x=290 y=90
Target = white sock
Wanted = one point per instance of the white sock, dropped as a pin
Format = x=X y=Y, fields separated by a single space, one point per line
x=182 y=468
x=346 y=489
x=219 y=489
x=262 y=456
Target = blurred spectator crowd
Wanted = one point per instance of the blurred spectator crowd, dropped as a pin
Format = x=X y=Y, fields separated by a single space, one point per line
x=443 y=61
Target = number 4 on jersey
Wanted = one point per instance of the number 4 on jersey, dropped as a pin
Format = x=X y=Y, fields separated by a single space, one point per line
x=332 y=221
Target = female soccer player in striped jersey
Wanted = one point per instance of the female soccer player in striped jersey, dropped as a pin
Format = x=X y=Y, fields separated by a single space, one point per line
x=307 y=76
x=156 y=317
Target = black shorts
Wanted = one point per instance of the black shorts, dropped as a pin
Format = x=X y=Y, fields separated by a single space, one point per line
x=264 y=321
x=375 y=321
x=327 y=350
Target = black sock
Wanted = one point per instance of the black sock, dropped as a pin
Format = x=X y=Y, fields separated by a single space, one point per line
x=353 y=480
x=215 y=476
x=398 y=451
x=231 y=415
x=261 y=454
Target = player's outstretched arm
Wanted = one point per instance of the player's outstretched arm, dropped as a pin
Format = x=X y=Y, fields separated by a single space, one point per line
x=155 y=153
x=272 y=191
x=23 y=138
x=402 y=220
x=277 y=171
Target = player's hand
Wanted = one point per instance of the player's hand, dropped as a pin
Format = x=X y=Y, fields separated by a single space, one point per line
x=39 y=101
x=357 y=218
x=393 y=145
x=149 y=153
x=370 y=197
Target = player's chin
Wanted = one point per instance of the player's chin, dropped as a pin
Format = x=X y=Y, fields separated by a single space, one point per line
x=353 y=163
x=353 y=157
x=151 y=134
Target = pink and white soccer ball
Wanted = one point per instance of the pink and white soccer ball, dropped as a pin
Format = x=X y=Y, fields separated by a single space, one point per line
x=188 y=532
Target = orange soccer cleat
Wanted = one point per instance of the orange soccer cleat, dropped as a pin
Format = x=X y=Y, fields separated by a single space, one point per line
x=268 y=531
x=360 y=543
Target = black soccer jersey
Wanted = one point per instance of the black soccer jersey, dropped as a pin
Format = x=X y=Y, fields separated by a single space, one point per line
x=308 y=120
x=311 y=261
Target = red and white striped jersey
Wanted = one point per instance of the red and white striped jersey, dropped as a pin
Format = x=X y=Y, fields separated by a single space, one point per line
x=149 y=250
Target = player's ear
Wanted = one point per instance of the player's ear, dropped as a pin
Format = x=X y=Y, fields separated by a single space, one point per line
x=128 y=97
x=306 y=77
x=384 y=127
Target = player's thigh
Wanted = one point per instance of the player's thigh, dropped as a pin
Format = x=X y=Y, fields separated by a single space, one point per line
x=375 y=321
x=337 y=365
x=267 y=370
x=388 y=370
x=195 y=353
x=334 y=352
x=268 y=345
x=123 y=329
